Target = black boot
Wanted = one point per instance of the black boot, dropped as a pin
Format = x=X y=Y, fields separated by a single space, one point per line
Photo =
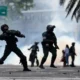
x=52 y=62
x=26 y=69
x=42 y=62
x=53 y=66
x=72 y=65
x=42 y=67
x=1 y=62
x=24 y=64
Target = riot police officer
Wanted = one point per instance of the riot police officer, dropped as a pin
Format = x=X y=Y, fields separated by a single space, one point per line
x=10 y=36
x=49 y=44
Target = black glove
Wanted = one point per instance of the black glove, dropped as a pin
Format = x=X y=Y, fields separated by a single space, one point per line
x=23 y=35
x=56 y=47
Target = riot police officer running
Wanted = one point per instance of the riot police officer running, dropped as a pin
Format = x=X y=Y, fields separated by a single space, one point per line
x=10 y=36
x=49 y=44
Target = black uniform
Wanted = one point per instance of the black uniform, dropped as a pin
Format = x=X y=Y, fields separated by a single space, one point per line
x=49 y=39
x=72 y=54
x=33 y=55
x=10 y=36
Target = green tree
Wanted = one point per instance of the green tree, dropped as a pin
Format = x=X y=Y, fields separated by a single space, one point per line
x=20 y=4
x=16 y=6
x=74 y=6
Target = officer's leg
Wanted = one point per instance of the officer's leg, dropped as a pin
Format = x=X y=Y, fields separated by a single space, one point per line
x=45 y=51
x=33 y=60
x=64 y=63
x=72 y=63
x=22 y=58
x=32 y=64
x=54 y=55
x=73 y=58
x=6 y=53
x=37 y=61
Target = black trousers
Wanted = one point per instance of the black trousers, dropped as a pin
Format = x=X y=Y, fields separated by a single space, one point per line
x=46 y=51
x=15 y=49
x=73 y=59
x=33 y=57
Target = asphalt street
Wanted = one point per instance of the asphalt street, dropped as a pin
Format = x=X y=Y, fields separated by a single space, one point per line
x=12 y=72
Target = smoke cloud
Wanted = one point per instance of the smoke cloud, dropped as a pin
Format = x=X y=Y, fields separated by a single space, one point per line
x=33 y=23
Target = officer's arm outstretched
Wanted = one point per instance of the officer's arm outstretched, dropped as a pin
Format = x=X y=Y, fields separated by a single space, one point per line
x=30 y=48
x=16 y=33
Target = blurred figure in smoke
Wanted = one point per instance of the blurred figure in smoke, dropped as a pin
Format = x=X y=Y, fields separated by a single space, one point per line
x=10 y=36
x=72 y=54
x=49 y=44
x=63 y=59
x=67 y=55
x=33 y=55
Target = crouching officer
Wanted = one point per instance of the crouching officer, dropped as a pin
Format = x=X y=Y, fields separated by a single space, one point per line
x=49 y=44
x=10 y=36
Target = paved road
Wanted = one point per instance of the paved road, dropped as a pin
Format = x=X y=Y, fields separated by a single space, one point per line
x=8 y=72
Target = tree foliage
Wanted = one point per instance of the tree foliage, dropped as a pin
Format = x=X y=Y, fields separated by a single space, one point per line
x=20 y=4
x=16 y=6
x=73 y=5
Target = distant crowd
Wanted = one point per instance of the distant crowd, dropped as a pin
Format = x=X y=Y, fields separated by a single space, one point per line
x=68 y=52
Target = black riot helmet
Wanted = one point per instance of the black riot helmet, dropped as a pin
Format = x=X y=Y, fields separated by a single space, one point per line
x=36 y=43
x=73 y=43
x=50 y=28
x=4 y=27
